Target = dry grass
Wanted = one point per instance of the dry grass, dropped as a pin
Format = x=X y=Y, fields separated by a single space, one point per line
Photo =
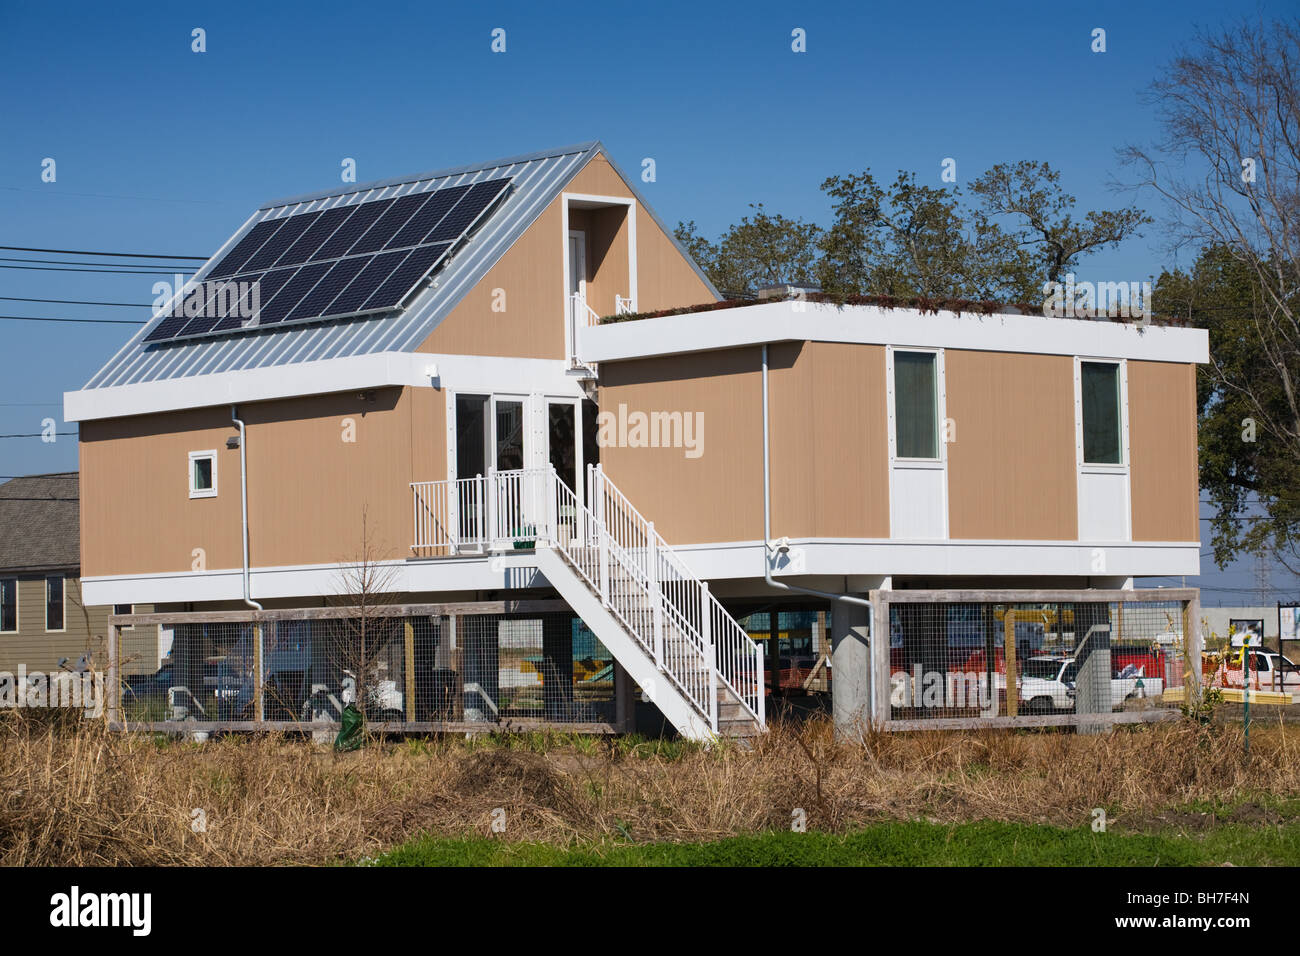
x=75 y=794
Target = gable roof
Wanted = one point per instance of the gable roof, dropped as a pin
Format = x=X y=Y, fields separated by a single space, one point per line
x=536 y=179
x=40 y=523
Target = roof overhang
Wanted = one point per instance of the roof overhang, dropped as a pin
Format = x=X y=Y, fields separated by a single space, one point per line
x=795 y=321
x=353 y=373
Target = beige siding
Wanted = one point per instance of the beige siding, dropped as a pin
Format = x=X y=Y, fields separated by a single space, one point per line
x=1011 y=470
x=531 y=276
x=308 y=487
x=829 y=452
x=1162 y=451
x=85 y=631
x=830 y=447
x=717 y=496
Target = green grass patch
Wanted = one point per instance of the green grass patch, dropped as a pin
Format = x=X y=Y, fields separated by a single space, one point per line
x=985 y=843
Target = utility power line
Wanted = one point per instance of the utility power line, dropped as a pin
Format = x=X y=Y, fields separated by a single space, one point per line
x=132 y=305
x=83 y=252
x=48 y=318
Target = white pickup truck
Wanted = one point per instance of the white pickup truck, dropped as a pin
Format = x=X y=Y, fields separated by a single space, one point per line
x=1047 y=684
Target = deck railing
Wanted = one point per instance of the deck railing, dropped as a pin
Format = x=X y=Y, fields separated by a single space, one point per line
x=617 y=552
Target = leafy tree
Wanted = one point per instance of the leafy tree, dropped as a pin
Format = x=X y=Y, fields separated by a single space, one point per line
x=762 y=249
x=1029 y=193
x=911 y=240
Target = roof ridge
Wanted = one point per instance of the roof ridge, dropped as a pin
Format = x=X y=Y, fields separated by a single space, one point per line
x=584 y=147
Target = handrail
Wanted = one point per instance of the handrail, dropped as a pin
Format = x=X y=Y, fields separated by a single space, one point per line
x=648 y=588
x=739 y=658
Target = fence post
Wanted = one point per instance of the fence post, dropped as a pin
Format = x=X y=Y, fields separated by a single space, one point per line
x=453 y=516
x=408 y=666
x=259 y=671
x=879 y=647
x=656 y=598
x=491 y=506
x=111 y=685
x=760 y=697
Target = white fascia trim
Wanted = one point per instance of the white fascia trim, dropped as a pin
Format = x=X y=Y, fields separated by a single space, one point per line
x=469 y=573
x=728 y=560
x=353 y=373
x=794 y=321
x=830 y=556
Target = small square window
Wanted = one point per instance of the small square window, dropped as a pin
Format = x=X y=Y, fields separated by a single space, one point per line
x=203 y=474
x=124 y=609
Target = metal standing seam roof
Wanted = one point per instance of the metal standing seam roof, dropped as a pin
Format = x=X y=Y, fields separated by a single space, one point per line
x=536 y=179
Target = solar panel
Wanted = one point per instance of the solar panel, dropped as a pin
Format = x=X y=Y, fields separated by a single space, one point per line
x=268 y=285
x=362 y=218
x=316 y=233
x=353 y=298
x=237 y=256
x=313 y=304
x=283 y=302
x=417 y=264
x=279 y=243
x=343 y=261
x=430 y=214
x=389 y=223
x=466 y=212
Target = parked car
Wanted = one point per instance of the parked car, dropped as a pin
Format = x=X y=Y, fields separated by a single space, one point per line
x=147 y=688
x=1050 y=684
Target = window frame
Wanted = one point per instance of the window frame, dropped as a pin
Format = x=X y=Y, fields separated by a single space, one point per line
x=17 y=608
x=130 y=609
x=63 y=603
x=1101 y=467
x=940 y=408
x=194 y=456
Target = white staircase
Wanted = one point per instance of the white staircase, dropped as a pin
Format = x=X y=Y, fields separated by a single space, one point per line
x=618 y=574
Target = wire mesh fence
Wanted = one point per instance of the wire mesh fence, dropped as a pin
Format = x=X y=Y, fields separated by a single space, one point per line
x=960 y=658
x=430 y=667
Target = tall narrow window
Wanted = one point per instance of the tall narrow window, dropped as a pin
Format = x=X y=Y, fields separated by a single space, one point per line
x=1102 y=431
x=8 y=605
x=54 y=603
x=916 y=405
x=510 y=435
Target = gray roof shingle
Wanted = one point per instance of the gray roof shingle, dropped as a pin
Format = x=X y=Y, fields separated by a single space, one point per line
x=40 y=523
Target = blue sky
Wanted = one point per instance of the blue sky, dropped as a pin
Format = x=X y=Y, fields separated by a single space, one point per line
x=162 y=150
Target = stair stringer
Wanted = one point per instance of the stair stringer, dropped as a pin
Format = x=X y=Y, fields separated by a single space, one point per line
x=679 y=711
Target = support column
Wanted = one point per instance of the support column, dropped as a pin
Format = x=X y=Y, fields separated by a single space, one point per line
x=850 y=669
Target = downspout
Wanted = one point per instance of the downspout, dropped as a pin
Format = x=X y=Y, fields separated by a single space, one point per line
x=767 y=517
x=243 y=498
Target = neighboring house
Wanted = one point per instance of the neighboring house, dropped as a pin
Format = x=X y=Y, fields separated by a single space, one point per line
x=429 y=348
x=44 y=625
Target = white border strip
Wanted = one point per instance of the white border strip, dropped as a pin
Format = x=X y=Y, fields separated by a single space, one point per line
x=907 y=328
x=354 y=373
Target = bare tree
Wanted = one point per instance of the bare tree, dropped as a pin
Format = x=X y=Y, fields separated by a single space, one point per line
x=1229 y=169
x=365 y=645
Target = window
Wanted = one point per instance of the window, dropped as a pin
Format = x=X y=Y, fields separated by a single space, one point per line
x=54 y=604
x=8 y=605
x=203 y=474
x=916 y=405
x=1102 y=430
x=124 y=609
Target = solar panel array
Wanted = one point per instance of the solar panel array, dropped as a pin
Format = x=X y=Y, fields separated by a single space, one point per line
x=345 y=261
